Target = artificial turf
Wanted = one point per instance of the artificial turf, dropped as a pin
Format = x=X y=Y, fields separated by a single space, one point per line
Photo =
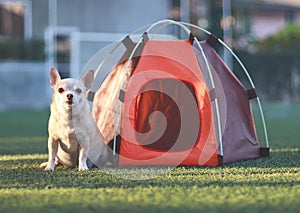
x=259 y=185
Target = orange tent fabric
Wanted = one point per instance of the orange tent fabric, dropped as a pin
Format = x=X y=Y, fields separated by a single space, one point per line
x=167 y=114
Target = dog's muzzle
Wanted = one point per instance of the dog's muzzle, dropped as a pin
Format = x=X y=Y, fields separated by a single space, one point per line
x=70 y=99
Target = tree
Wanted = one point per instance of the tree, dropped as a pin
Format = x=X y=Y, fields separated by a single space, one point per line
x=287 y=42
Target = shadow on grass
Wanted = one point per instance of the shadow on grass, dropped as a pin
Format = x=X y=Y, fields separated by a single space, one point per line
x=23 y=145
x=122 y=205
x=38 y=179
x=278 y=158
x=278 y=170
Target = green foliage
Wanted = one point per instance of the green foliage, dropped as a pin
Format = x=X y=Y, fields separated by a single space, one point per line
x=271 y=73
x=261 y=185
x=271 y=65
x=19 y=49
x=286 y=40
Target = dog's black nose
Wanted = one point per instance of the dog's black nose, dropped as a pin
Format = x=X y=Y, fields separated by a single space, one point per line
x=69 y=96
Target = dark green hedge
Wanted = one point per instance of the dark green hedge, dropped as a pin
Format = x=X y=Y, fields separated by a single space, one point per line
x=271 y=72
x=19 y=49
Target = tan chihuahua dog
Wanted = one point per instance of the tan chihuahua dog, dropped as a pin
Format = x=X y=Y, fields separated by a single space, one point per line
x=73 y=134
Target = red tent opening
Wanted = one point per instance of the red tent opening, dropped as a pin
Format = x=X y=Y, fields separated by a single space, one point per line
x=167 y=114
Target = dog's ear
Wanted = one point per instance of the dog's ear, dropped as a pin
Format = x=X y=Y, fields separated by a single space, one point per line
x=88 y=79
x=54 y=76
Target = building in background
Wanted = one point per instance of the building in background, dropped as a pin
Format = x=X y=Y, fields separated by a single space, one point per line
x=260 y=19
x=249 y=19
x=72 y=31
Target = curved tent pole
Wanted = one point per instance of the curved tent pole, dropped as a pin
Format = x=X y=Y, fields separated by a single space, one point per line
x=121 y=87
x=197 y=27
x=141 y=29
x=180 y=24
x=216 y=99
x=253 y=86
x=184 y=25
x=127 y=66
x=246 y=73
x=167 y=22
x=164 y=24
x=97 y=70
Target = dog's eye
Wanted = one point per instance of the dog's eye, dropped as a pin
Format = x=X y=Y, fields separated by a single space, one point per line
x=61 y=90
x=78 y=91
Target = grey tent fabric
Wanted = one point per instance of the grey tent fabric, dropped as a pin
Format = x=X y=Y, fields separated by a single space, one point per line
x=239 y=134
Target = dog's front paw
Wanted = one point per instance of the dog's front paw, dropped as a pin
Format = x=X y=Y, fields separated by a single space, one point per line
x=83 y=168
x=43 y=165
x=49 y=168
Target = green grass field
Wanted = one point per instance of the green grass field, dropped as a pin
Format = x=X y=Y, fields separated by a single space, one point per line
x=261 y=185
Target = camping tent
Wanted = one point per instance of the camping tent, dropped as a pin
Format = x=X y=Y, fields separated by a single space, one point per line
x=161 y=100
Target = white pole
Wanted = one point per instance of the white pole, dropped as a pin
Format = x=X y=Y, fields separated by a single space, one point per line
x=28 y=19
x=185 y=10
x=227 y=30
x=52 y=4
x=52 y=16
x=248 y=77
x=216 y=99
x=253 y=86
